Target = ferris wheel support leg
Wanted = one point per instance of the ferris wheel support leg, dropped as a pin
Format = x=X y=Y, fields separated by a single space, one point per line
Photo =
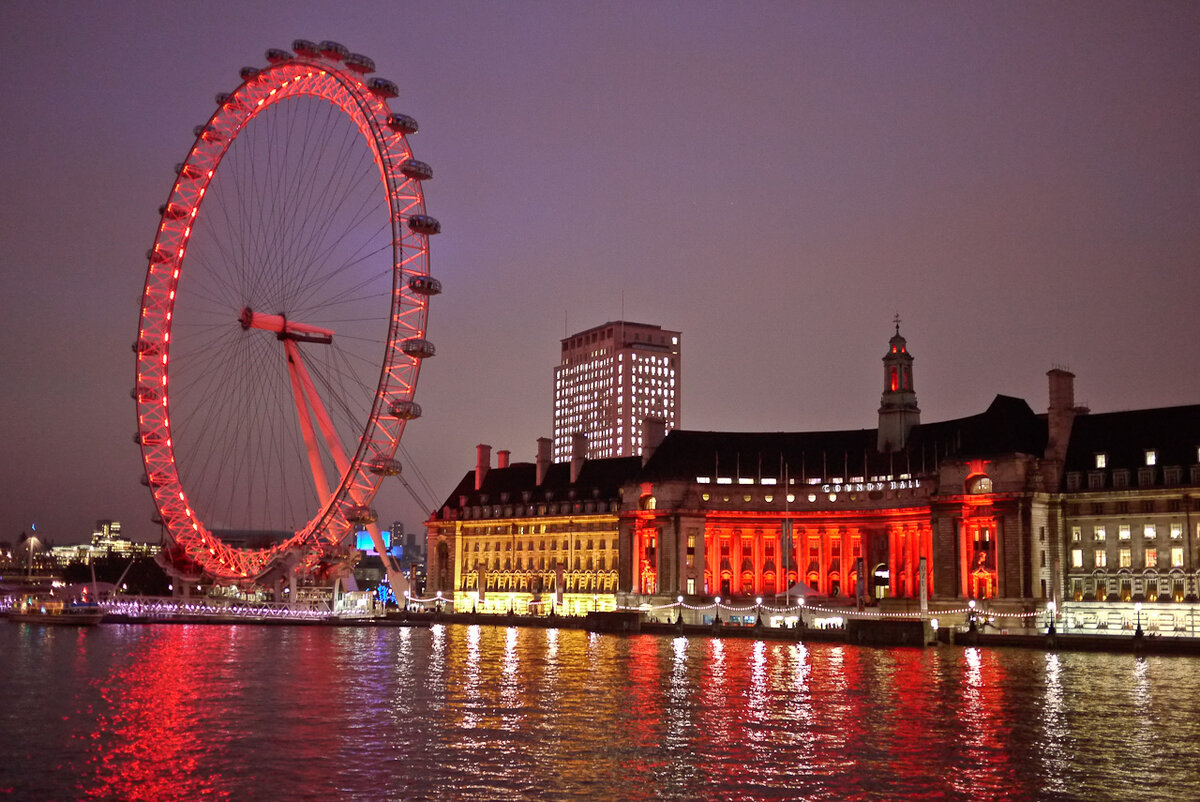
x=395 y=576
x=306 y=426
x=314 y=401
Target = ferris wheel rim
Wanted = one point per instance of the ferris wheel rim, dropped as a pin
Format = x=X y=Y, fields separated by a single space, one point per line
x=303 y=75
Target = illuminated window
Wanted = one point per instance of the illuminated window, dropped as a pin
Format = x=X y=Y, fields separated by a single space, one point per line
x=1151 y=558
x=1099 y=533
x=1176 y=531
x=979 y=484
x=1150 y=530
x=1076 y=558
x=1176 y=557
x=1123 y=531
x=1101 y=460
x=1125 y=558
x=1151 y=456
x=1076 y=533
x=1101 y=558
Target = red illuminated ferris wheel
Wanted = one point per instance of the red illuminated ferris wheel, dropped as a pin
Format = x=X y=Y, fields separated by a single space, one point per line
x=284 y=317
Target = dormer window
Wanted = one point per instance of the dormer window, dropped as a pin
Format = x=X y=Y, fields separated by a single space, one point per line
x=979 y=484
x=1151 y=457
x=1101 y=460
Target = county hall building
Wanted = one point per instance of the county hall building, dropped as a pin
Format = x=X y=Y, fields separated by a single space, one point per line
x=1011 y=506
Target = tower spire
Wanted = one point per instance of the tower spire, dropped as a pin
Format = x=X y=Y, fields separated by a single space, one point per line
x=898 y=411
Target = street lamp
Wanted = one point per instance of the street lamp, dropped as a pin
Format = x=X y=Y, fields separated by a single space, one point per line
x=757 y=610
x=971 y=615
x=1051 y=608
x=1137 y=608
x=717 y=611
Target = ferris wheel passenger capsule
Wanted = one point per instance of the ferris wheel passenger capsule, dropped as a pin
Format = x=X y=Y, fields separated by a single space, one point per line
x=424 y=224
x=383 y=88
x=416 y=169
x=334 y=50
x=405 y=410
x=360 y=63
x=385 y=467
x=306 y=48
x=425 y=285
x=249 y=73
x=361 y=515
x=418 y=348
x=402 y=123
x=277 y=56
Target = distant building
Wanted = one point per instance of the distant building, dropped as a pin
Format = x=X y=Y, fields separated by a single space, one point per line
x=610 y=380
x=108 y=541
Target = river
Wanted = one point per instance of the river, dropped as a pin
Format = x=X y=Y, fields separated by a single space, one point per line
x=479 y=712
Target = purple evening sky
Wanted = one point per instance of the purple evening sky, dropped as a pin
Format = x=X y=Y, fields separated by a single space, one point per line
x=1020 y=181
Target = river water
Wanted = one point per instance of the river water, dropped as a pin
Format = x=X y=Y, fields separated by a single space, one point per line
x=480 y=712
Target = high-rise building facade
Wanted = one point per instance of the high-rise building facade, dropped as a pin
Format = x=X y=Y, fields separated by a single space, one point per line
x=610 y=380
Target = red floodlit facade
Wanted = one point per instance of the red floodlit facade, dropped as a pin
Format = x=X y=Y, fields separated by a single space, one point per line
x=949 y=510
x=1010 y=506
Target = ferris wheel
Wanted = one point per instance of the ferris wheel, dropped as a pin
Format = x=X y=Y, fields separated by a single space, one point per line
x=283 y=320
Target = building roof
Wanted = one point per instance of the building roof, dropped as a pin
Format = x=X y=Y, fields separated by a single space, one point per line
x=1172 y=432
x=1008 y=426
x=598 y=479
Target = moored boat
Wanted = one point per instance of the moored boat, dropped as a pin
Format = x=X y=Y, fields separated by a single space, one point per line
x=40 y=609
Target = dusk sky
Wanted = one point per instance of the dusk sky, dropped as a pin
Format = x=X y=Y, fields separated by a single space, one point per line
x=1019 y=181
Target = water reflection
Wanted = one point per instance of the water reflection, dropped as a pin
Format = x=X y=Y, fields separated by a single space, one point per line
x=512 y=713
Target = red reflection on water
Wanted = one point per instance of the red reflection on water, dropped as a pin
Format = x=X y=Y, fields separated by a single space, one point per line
x=646 y=693
x=147 y=744
x=183 y=704
x=910 y=722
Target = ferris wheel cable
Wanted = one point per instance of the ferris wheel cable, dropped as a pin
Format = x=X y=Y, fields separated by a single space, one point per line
x=340 y=189
x=217 y=415
x=424 y=506
x=305 y=291
x=409 y=462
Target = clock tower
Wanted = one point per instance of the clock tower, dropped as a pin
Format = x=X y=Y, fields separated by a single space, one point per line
x=898 y=411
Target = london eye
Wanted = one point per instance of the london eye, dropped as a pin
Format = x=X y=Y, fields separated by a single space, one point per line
x=283 y=320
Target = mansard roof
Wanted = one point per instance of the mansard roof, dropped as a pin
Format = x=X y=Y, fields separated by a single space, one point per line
x=598 y=479
x=1008 y=426
x=1172 y=432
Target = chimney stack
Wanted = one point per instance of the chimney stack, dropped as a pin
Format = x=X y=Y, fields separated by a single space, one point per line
x=1061 y=414
x=543 y=458
x=502 y=458
x=483 y=461
x=579 y=444
x=654 y=431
